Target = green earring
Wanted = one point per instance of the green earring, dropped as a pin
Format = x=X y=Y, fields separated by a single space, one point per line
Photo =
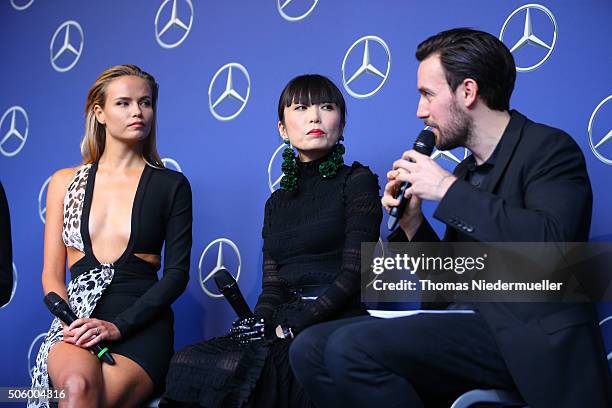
x=290 y=169
x=329 y=168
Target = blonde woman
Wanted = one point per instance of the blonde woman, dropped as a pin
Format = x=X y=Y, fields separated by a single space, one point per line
x=108 y=219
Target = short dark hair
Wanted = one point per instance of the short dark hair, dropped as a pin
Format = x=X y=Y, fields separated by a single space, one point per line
x=308 y=90
x=468 y=53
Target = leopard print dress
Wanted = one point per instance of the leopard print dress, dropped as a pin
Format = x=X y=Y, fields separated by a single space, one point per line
x=84 y=291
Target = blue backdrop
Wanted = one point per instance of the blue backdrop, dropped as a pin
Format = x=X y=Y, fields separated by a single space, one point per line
x=224 y=142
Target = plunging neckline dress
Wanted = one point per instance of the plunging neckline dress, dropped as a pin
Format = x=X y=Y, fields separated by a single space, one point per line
x=127 y=292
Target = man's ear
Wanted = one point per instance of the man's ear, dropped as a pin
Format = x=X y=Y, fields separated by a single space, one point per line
x=469 y=92
x=99 y=114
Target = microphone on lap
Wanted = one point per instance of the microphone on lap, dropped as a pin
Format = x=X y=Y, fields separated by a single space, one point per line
x=61 y=310
x=423 y=144
x=228 y=286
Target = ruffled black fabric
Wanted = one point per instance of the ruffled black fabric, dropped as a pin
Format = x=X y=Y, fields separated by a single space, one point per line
x=312 y=236
x=215 y=373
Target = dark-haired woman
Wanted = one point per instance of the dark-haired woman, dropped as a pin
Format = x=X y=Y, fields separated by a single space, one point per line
x=313 y=230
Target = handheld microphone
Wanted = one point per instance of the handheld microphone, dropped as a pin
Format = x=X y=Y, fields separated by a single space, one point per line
x=61 y=310
x=423 y=144
x=229 y=288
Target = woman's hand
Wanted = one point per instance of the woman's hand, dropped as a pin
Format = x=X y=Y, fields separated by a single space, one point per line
x=283 y=333
x=88 y=332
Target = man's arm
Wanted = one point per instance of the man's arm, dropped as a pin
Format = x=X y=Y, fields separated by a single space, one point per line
x=555 y=193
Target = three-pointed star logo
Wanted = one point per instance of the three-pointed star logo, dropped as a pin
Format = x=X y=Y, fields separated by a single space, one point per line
x=69 y=29
x=21 y=7
x=597 y=143
x=604 y=139
x=32 y=358
x=174 y=21
x=448 y=155
x=42 y=204
x=274 y=182
x=281 y=10
x=379 y=252
x=220 y=263
x=14 y=133
x=366 y=67
x=171 y=163
x=229 y=91
x=601 y=323
x=529 y=37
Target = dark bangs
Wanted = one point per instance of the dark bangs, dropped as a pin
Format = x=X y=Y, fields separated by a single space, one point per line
x=310 y=90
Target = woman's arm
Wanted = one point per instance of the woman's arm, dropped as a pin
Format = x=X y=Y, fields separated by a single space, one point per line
x=273 y=290
x=54 y=267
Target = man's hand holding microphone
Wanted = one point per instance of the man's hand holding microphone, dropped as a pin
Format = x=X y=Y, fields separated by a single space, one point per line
x=419 y=178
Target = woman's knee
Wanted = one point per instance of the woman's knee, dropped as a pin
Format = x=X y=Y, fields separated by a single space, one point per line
x=81 y=385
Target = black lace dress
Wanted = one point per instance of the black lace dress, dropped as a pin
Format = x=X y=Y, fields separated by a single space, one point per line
x=312 y=242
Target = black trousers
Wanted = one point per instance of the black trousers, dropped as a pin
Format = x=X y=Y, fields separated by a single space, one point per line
x=425 y=360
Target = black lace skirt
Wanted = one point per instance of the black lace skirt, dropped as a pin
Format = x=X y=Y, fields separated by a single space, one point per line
x=219 y=373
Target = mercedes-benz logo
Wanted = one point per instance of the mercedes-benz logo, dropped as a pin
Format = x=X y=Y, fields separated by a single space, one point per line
x=285 y=3
x=274 y=182
x=601 y=323
x=219 y=243
x=529 y=37
x=379 y=252
x=21 y=7
x=42 y=200
x=32 y=362
x=449 y=155
x=17 y=131
x=15 y=277
x=174 y=21
x=67 y=47
x=366 y=66
x=229 y=92
x=597 y=144
x=171 y=163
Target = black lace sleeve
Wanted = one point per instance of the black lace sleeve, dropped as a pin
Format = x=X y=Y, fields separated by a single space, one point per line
x=363 y=215
x=273 y=291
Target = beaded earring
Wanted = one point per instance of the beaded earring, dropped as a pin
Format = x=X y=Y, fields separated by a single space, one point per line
x=329 y=168
x=290 y=169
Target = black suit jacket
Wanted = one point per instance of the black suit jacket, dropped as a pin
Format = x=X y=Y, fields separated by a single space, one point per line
x=6 y=252
x=539 y=190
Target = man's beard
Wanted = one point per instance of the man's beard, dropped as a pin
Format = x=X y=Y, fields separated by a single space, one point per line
x=457 y=132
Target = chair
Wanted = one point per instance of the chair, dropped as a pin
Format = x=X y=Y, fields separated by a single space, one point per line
x=502 y=398
x=152 y=404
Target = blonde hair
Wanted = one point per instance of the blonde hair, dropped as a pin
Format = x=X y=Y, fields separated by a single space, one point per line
x=92 y=145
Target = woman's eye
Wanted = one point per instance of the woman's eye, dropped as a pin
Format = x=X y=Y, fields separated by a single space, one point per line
x=300 y=107
x=146 y=103
x=328 y=106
